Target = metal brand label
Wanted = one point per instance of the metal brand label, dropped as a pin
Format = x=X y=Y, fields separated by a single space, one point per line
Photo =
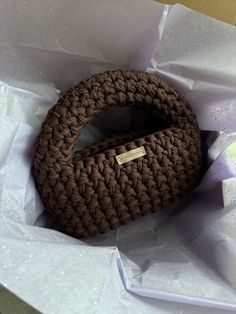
x=131 y=155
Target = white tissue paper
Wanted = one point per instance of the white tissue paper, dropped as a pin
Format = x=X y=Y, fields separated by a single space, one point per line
x=170 y=262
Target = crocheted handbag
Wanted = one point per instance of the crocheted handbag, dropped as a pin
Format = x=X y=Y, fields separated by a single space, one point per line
x=111 y=183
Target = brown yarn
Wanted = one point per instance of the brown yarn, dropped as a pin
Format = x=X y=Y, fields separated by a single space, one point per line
x=88 y=192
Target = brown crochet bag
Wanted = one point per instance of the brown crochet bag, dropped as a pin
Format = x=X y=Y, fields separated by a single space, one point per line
x=114 y=182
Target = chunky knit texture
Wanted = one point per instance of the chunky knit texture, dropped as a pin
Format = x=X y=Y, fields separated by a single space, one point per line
x=88 y=192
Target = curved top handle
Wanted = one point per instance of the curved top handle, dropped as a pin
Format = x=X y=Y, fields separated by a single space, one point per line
x=109 y=89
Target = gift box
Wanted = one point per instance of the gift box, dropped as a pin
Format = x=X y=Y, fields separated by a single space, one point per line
x=178 y=260
x=221 y=10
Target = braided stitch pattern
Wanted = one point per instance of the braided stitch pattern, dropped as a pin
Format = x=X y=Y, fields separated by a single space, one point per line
x=87 y=192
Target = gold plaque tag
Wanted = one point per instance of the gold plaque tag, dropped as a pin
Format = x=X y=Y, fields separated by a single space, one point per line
x=131 y=155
